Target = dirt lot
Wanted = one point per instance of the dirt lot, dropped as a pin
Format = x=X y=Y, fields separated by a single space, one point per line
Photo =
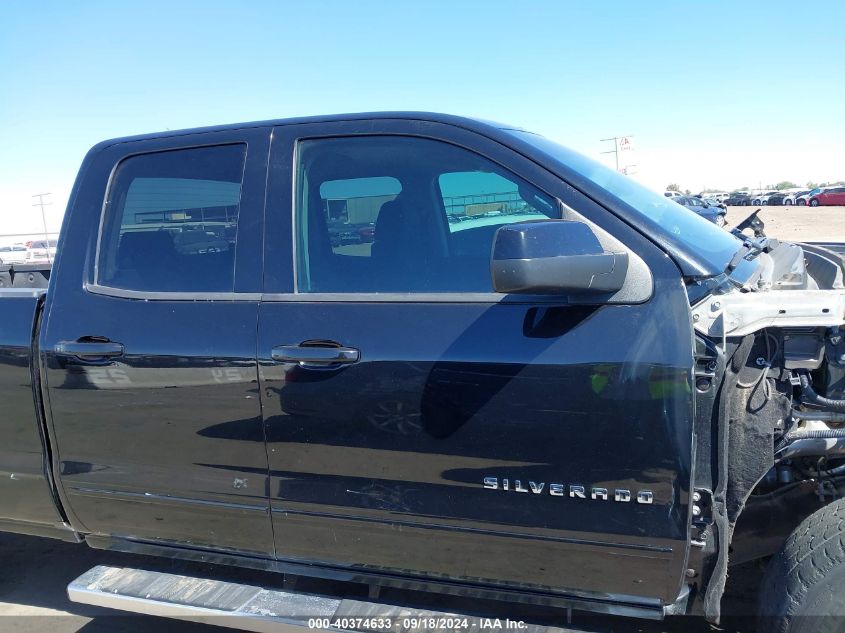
x=36 y=571
x=801 y=224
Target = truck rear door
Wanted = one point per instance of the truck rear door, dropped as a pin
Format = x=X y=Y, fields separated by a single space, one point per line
x=419 y=424
x=149 y=343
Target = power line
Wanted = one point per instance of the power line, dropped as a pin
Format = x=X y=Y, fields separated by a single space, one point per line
x=43 y=204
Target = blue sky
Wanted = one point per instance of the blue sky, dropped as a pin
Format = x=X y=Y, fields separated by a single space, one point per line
x=719 y=93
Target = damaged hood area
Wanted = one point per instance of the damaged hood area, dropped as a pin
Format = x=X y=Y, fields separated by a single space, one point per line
x=774 y=326
x=793 y=285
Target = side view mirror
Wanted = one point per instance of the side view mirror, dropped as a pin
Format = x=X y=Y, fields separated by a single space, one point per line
x=554 y=257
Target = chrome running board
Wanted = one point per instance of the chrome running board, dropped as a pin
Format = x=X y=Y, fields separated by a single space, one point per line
x=251 y=608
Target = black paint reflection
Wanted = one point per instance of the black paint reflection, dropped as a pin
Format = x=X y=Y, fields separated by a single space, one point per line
x=158 y=444
x=445 y=395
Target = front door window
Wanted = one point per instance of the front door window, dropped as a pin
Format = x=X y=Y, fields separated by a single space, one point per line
x=405 y=215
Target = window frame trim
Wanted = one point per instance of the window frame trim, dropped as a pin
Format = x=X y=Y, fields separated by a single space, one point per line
x=170 y=295
x=488 y=298
x=95 y=287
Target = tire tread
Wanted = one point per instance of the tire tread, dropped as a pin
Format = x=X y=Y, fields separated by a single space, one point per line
x=815 y=548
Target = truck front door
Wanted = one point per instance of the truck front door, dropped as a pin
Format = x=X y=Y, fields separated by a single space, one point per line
x=149 y=344
x=420 y=424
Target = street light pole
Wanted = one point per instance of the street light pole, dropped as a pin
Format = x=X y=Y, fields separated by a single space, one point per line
x=43 y=204
x=615 y=150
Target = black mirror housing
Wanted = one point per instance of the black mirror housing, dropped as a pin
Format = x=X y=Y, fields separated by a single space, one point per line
x=554 y=257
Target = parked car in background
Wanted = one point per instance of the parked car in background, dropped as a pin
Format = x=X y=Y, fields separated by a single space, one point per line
x=714 y=202
x=12 y=254
x=776 y=199
x=41 y=251
x=715 y=195
x=831 y=196
x=792 y=197
x=672 y=194
x=714 y=213
x=802 y=200
x=763 y=198
x=737 y=199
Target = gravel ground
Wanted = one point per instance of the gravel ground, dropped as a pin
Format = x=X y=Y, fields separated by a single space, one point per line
x=37 y=571
x=797 y=224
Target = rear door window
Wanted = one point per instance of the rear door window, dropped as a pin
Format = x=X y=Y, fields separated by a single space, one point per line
x=171 y=221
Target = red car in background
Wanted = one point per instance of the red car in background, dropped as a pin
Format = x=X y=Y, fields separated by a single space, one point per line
x=833 y=196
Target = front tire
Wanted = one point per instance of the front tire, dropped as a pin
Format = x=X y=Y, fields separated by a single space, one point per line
x=814 y=203
x=802 y=591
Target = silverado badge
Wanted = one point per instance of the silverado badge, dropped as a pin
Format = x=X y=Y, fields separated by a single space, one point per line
x=574 y=491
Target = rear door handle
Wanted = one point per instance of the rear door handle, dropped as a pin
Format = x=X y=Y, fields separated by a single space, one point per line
x=89 y=349
x=313 y=355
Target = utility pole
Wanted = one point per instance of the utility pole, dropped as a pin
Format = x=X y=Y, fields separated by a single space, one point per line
x=43 y=204
x=615 y=150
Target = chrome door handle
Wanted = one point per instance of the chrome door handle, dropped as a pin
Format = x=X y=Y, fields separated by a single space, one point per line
x=314 y=355
x=89 y=349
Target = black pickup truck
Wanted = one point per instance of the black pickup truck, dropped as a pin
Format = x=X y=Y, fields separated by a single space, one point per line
x=422 y=353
